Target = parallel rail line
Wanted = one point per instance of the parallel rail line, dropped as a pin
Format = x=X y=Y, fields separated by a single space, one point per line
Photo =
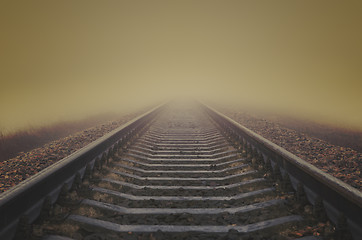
x=179 y=172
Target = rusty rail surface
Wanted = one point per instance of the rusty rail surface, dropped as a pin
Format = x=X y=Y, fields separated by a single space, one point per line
x=340 y=200
x=27 y=198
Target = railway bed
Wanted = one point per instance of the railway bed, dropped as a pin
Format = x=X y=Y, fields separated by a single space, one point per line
x=181 y=171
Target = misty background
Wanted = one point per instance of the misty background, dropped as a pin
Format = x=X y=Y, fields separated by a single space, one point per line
x=66 y=60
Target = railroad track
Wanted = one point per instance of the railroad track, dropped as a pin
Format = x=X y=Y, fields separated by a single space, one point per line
x=181 y=172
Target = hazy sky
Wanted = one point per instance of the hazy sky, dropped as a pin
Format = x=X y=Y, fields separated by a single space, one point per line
x=65 y=59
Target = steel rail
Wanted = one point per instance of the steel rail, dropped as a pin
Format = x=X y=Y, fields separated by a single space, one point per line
x=27 y=198
x=340 y=200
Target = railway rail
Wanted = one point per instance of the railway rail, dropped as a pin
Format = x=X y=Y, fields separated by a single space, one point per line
x=180 y=172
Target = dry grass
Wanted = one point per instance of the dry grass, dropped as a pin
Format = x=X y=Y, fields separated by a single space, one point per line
x=25 y=140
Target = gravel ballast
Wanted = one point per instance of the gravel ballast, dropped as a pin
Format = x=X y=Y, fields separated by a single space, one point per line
x=342 y=162
x=26 y=164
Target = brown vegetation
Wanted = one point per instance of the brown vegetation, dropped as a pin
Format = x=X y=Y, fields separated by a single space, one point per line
x=25 y=140
x=334 y=135
x=26 y=164
x=327 y=148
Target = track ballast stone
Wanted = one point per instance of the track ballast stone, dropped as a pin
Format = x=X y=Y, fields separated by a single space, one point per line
x=181 y=180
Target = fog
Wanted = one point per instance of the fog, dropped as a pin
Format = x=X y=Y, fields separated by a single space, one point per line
x=62 y=60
